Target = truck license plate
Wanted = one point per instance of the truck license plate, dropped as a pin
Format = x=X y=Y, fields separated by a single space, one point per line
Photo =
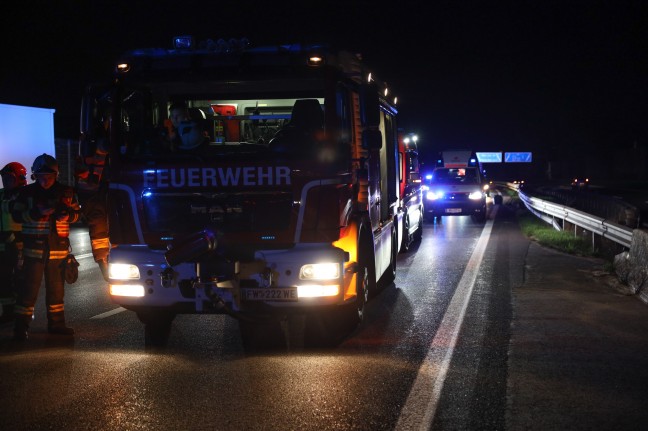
x=266 y=294
x=453 y=210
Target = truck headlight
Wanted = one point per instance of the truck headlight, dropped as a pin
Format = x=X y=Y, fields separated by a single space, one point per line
x=123 y=271
x=315 y=291
x=320 y=271
x=476 y=195
x=133 y=290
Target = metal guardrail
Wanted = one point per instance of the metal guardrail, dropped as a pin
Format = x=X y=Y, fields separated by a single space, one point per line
x=549 y=212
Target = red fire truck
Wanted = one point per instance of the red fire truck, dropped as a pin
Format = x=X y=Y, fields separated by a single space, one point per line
x=411 y=191
x=276 y=199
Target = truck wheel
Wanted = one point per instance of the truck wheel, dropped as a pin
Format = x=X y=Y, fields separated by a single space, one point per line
x=407 y=238
x=328 y=328
x=418 y=235
x=390 y=273
x=351 y=315
x=157 y=327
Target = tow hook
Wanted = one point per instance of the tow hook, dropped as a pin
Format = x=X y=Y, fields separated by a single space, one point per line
x=167 y=276
x=217 y=300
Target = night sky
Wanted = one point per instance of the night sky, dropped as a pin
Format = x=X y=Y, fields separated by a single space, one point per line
x=537 y=76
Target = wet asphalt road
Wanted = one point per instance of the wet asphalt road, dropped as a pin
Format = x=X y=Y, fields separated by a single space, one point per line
x=459 y=341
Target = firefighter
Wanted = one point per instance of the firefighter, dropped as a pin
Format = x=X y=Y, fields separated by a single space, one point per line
x=91 y=191
x=45 y=208
x=14 y=176
x=182 y=132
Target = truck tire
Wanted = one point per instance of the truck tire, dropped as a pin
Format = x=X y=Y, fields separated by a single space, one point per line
x=353 y=314
x=418 y=235
x=327 y=328
x=407 y=238
x=390 y=273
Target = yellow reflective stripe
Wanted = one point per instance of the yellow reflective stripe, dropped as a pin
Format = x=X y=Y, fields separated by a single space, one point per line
x=23 y=311
x=30 y=252
x=58 y=254
x=36 y=228
x=8 y=300
x=63 y=228
x=100 y=243
x=55 y=308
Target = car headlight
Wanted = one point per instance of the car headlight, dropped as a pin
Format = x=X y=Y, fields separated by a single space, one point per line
x=432 y=195
x=123 y=271
x=476 y=195
x=320 y=271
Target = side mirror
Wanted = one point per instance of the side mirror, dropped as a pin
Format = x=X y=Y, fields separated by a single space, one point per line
x=369 y=106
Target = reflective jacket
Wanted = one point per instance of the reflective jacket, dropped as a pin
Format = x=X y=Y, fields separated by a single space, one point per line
x=88 y=172
x=10 y=231
x=43 y=233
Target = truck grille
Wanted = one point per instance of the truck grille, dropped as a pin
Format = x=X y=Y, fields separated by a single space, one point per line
x=232 y=212
x=458 y=196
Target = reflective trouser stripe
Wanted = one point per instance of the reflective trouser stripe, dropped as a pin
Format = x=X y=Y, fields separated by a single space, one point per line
x=55 y=308
x=10 y=300
x=23 y=311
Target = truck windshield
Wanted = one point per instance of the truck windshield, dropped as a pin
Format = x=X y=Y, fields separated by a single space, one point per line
x=209 y=126
x=455 y=176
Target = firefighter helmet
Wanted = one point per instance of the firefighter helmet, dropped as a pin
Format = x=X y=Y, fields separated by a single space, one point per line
x=45 y=164
x=14 y=168
x=14 y=174
x=190 y=135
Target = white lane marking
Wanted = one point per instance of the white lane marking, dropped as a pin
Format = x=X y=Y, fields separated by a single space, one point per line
x=422 y=401
x=109 y=313
x=82 y=256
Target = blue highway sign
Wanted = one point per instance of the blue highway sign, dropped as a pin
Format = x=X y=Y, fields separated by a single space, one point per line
x=518 y=157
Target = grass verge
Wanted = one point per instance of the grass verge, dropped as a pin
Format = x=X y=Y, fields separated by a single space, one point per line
x=544 y=234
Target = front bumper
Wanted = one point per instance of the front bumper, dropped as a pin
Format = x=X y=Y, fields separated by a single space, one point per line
x=455 y=206
x=270 y=283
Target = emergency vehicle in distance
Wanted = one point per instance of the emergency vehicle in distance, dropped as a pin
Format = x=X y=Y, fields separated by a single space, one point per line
x=456 y=187
x=290 y=206
x=411 y=191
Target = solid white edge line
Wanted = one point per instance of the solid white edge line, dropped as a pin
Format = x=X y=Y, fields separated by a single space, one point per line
x=109 y=313
x=421 y=405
